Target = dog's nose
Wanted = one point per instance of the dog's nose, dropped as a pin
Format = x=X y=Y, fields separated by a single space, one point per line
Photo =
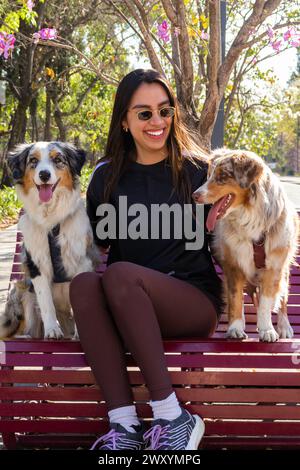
x=198 y=198
x=44 y=175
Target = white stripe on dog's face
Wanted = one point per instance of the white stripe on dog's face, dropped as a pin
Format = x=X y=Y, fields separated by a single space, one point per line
x=41 y=159
x=46 y=170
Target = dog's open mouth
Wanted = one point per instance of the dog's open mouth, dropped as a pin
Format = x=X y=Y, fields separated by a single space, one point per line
x=46 y=191
x=218 y=210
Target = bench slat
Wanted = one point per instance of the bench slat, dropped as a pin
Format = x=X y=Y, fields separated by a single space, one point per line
x=212 y=378
x=199 y=394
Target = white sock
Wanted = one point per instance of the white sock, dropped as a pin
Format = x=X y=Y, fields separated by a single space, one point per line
x=168 y=408
x=126 y=416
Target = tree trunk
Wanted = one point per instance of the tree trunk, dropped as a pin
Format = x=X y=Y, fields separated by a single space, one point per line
x=47 y=129
x=60 y=124
x=33 y=114
x=17 y=136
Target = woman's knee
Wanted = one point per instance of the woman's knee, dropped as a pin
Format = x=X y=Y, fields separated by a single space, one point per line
x=118 y=272
x=82 y=287
x=117 y=278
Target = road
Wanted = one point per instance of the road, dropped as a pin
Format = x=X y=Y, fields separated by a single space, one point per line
x=292 y=187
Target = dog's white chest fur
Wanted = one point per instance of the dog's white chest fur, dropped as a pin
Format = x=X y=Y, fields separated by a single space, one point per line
x=72 y=239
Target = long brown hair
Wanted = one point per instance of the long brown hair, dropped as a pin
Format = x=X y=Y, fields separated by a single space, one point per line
x=120 y=145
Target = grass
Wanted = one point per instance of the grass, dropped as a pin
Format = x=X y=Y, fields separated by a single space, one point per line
x=9 y=206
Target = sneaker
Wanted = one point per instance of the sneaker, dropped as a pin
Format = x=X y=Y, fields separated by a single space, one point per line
x=182 y=433
x=118 y=438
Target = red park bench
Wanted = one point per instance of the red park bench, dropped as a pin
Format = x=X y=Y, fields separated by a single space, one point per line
x=247 y=392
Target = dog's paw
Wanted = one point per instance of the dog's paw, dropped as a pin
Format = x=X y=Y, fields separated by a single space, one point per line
x=53 y=332
x=269 y=336
x=236 y=330
x=235 y=333
x=284 y=329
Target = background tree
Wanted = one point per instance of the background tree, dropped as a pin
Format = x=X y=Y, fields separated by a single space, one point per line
x=55 y=86
x=193 y=57
x=42 y=74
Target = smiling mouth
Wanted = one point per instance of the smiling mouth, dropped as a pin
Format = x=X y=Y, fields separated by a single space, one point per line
x=218 y=210
x=46 y=191
x=155 y=134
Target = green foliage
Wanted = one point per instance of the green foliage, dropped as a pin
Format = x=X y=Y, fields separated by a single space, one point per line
x=12 y=12
x=9 y=205
x=85 y=177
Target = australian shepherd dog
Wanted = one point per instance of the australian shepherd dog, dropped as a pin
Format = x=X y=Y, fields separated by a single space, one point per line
x=57 y=238
x=255 y=232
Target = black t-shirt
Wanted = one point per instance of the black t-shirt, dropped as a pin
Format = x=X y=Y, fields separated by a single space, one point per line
x=148 y=185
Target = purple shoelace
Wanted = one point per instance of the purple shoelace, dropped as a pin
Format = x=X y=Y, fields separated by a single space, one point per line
x=156 y=435
x=109 y=440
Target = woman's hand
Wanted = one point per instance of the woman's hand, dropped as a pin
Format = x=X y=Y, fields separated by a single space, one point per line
x=103 y=250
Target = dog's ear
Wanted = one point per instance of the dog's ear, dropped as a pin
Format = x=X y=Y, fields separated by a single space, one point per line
x=76 y=157
x=247 y=169
x=17 y=160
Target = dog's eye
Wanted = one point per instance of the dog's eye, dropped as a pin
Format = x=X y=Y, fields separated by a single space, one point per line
x=33 y=162
x=57 y=160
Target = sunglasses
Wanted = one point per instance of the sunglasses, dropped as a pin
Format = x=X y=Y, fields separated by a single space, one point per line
x=164 y=113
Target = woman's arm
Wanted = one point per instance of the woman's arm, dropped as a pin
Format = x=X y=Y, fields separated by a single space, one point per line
x=94 y=198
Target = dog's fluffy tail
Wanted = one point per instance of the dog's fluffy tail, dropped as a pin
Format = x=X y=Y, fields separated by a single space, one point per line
x=13 y=315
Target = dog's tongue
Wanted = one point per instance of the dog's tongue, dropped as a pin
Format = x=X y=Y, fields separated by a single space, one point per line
x=45 y=192
x=213 y=214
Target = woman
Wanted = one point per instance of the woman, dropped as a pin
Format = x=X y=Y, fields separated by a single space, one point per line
x=153 y=287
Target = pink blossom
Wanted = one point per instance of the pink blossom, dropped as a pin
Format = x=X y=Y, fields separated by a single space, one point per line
x=45 y=34
x=270 y=32
x=277 y=45
x=290 y=33
x=30 y=5
x=7 y=43
x=204 y=35
x=295 y=42
x=163 y=31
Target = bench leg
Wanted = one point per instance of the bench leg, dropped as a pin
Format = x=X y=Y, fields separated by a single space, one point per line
x=9 y=440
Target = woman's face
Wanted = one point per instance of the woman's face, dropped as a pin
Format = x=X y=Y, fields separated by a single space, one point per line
x=149 y=136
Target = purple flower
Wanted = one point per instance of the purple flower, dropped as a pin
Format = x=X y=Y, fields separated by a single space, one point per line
x=163 y=31
x=30 y=5
x=7 y=43
x=204 y=35
x=290 y=33
x=270 y=32
x=277 y=45
x=295 y=42
x=45 y=34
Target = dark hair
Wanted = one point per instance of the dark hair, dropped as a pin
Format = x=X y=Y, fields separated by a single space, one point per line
x=120 y=145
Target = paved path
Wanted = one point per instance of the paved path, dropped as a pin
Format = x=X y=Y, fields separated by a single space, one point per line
x=292 y=186
x=7 y=249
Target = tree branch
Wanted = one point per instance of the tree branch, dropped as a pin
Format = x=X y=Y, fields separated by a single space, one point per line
x=261 y=10
x=210 y=108
x=263 y=35
x=71 y=47
x=144 y=28
x=185 y=55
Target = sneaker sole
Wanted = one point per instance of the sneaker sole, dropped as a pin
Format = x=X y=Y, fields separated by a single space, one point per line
x=197 y=434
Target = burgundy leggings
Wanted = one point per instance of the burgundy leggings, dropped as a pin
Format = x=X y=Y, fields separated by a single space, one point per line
x=131 y=308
